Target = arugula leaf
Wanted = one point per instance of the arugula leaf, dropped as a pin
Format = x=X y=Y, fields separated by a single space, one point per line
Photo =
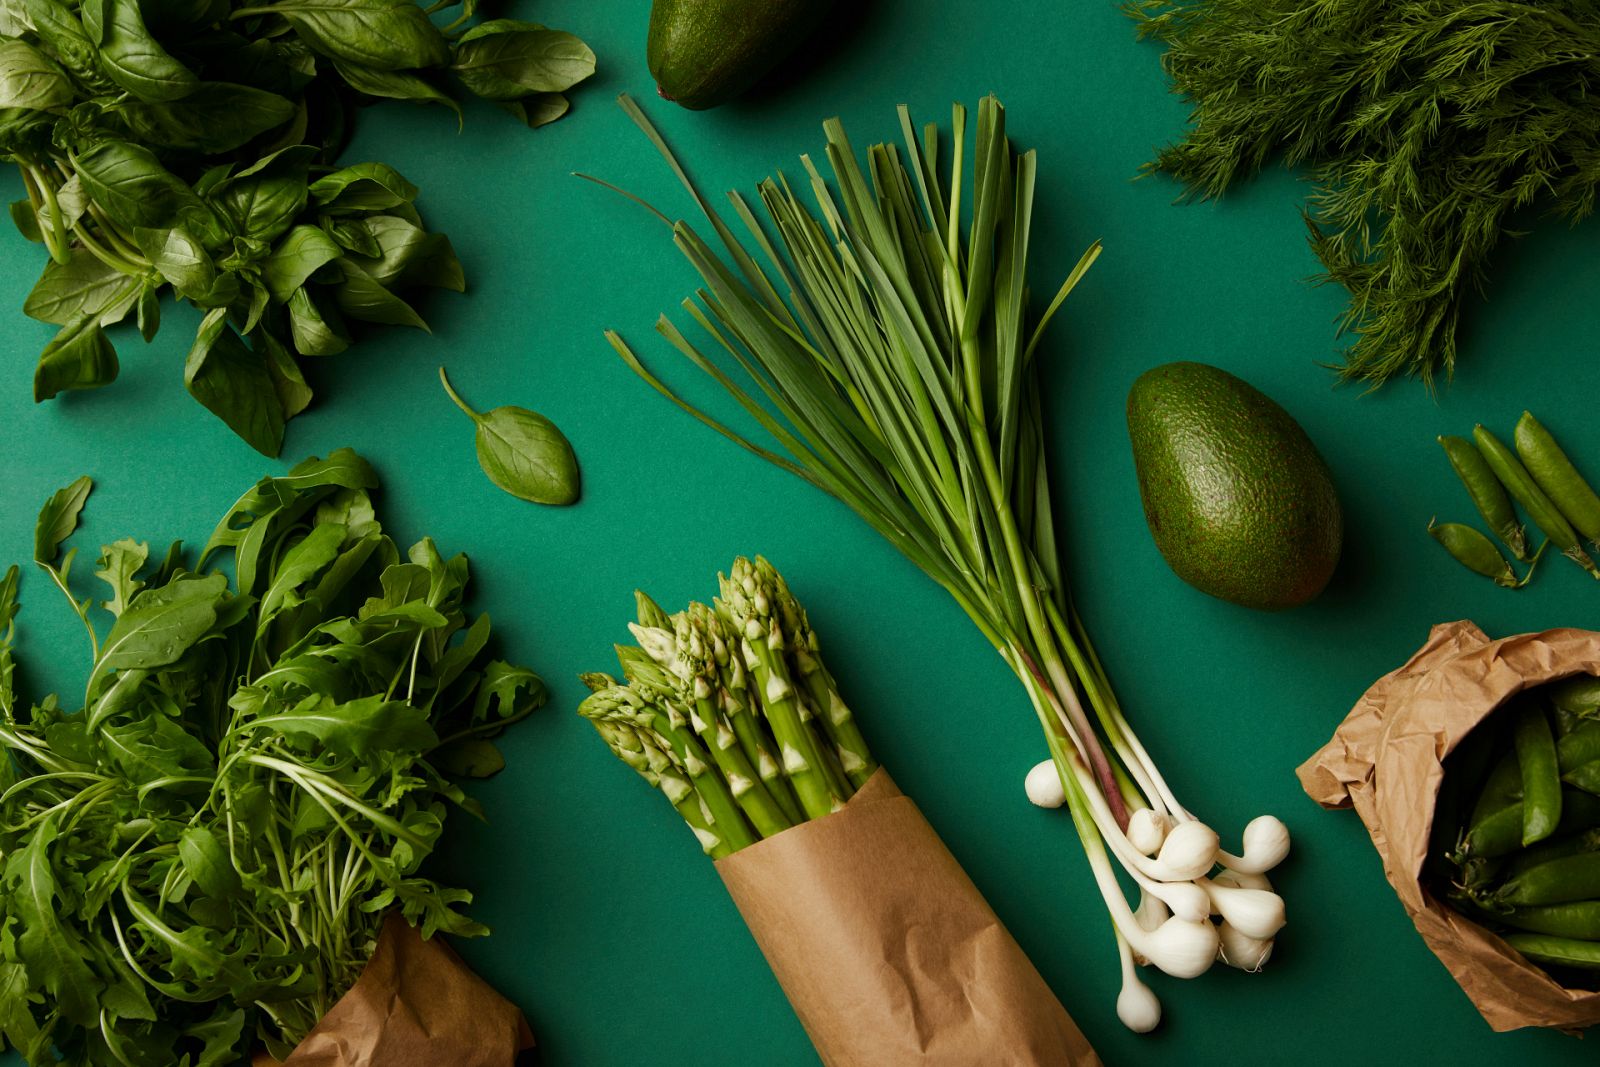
x=120 y=564
x=161 y=624
x=57 y=520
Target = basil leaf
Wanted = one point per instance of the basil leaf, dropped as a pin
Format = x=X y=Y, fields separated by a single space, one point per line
x=28 y=79
x=382 y=34
x=82 y=287
x=523 y=452
x=538 y=109
x=363 y=187
x=184 y=264
x=303 y=251
x=79 y=357
x=149 y=311
x=216 y=117
x=312 y=334
x=58 y=519
x=362 y=297
x=393 y=84
x=135 y=190
x=505 y=59
x=131 y=56
x=262 y=201
x=287 y=380
x=235 y=385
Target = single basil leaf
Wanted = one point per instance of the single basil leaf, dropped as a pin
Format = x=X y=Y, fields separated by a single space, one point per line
x=29 y=79
x=393 y=85
x=234 y=385
x=134 y=189
x=80 y=357
x=359 y=728
x=254 y=307
x=160 y=625
x=303 y=251
x=149 y=311
x=82 y=287
x=538 y=109
x=382 y=34
x=216 y=117
x=131 y=56
x=389 y=244
x=263 y=200
x=205 y=859
x=182 y=261
x=293 y=391
x=26 y=220
x=58 y=518
x=363 y=187
x=523 y=452
x=312 y=333
x=362 y=297
x=505 y=59
x=60 y=30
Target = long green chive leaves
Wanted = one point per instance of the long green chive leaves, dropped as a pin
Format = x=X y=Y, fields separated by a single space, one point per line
x=888 y=353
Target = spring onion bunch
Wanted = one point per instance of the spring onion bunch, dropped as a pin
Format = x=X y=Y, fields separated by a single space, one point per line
x=888 y=351
x=730 y=712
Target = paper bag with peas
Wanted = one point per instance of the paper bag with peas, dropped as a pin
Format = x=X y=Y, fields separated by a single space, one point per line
x=1475 y=767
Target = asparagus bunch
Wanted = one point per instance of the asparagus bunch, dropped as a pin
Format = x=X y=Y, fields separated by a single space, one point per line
x=731 y=713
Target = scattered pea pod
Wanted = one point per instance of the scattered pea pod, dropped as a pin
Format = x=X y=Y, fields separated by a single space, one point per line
x=1488 y=495
x=1477 y=553
x=1555 y=474
x=1539 y=507
x=1561 y=951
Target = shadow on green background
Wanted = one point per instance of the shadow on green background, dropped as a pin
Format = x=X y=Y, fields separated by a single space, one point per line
x=610 y=929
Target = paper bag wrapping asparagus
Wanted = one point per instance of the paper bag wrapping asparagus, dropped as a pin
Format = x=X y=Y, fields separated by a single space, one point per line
x=1389 y=759
x=885 y=948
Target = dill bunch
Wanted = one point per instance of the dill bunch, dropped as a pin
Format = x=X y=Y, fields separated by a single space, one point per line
x=1426 y=125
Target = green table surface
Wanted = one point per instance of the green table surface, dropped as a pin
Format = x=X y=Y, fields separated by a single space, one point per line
x=610 y=929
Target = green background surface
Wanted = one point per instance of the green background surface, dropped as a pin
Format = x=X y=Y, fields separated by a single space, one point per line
x=611 y=930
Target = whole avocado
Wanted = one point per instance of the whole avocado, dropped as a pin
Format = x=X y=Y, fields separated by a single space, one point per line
x=706 y=52
x=1237 y=497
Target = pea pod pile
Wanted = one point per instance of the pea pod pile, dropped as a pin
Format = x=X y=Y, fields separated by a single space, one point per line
x=1538 y=478
x=1517 y=827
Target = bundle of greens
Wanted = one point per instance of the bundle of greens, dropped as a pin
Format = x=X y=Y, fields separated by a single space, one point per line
x=192 y=147
x=204 y=853
x=1427 y=124
x=730 y=712
x=899 y=372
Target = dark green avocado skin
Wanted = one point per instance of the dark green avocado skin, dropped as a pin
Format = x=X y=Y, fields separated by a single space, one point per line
x=1237 y=497
x=704 y=53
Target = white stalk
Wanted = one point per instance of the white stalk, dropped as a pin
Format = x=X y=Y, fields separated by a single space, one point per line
x=1266 y=844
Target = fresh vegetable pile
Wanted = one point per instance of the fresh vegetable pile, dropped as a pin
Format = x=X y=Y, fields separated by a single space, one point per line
x=730 y=712
x=1540 y=478
x=203 y=854
x=901 y=375
x=1426 y=123
x=1517 y=829
x=191 y=145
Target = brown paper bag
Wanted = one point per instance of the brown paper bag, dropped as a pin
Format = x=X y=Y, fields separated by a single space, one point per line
x=1385 y=761
x=886 y=949
x=415 y=1005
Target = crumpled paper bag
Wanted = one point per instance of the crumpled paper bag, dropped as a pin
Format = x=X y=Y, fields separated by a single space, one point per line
x=415 y=1005
x=887 y=951
x=1385 y=761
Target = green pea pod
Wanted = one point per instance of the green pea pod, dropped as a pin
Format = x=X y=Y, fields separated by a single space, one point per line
x=1556 y=475
x=1541 y=774
x=1502 y=788
x=1499 y=832
x=1586 y=776
x=1579 y=695
x=1554 y=849
x=1488 y=495
x=1520 y=484
x=1545 y=949
x=1476 y=553
x=1579 y=747
x=1579 y=919
x=1557 y=881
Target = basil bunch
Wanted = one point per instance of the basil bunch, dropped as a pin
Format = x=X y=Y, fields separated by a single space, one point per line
x=202 y=856
x=191 y=145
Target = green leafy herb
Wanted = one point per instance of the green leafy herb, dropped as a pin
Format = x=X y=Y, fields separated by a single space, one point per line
x=1426 y=123
x=194 y=149
x=201 y=857
x=523 y=452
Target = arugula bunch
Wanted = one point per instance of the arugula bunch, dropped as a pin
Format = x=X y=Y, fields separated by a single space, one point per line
x=190 y=145
x=204 y=853
x=1427 y=125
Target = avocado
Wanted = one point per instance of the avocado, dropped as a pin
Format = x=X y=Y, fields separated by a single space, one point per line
x=706 y=52
x=1237 y=497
